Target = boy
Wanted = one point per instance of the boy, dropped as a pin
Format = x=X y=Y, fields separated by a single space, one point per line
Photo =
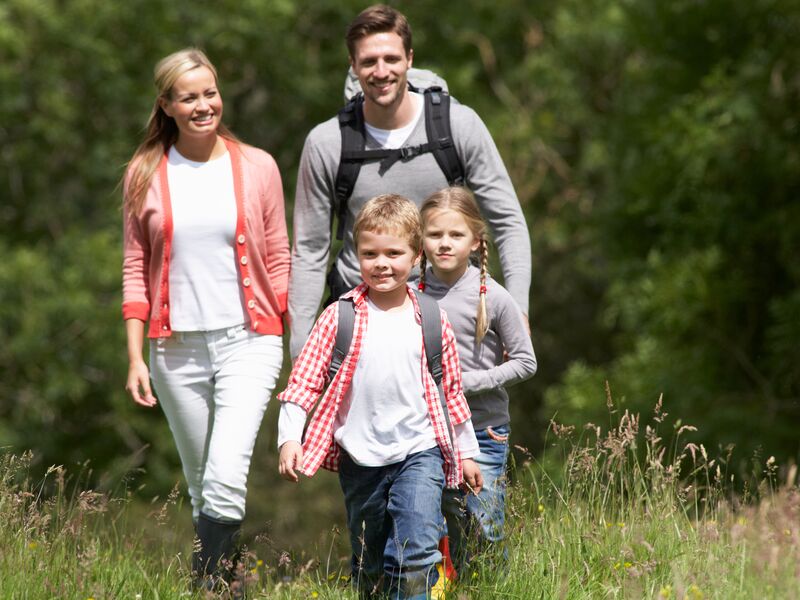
x=380 y=423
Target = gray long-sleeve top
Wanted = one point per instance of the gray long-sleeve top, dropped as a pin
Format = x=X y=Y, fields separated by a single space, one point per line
x=415 y=179
x=484 y=372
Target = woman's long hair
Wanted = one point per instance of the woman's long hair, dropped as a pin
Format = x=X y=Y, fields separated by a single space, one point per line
x=162 y=132
x=461 y=200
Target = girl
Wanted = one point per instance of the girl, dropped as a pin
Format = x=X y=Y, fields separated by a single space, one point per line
x=206 y=262
x=487 y=324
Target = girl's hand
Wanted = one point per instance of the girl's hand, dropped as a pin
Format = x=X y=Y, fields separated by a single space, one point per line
x=473 y=478
x=291 y=458
x=138 y=384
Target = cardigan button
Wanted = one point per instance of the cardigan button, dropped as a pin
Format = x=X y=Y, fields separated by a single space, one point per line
x=251 y=303
x=246 y=282
x=240 y=239
x=243 y=260
x=165 y=328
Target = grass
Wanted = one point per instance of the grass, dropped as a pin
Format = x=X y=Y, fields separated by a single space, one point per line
x=601 y=513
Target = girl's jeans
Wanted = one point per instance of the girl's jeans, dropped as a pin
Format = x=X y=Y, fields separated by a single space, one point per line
x=394 y=519
x=480 y=520
x=214 y=387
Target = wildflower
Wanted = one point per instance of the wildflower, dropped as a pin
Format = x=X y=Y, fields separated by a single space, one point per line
x=616 y=566
x=620 y=525
x=741 y=521
x=787 y=532
x=315 y=594
x=259 y=563
x=540 y=508
x=666 y=592
x=693 y=593
x=474 y=574
x=628 y=565
x=32 y=546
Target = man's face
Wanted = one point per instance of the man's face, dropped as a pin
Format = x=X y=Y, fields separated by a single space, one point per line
x=380 y=63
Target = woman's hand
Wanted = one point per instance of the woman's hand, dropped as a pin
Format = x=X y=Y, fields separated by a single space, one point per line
x=291 y=458
x=473 y=478
x=138 y=385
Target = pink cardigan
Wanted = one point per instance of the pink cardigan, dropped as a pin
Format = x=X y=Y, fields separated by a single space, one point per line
x=261 y=246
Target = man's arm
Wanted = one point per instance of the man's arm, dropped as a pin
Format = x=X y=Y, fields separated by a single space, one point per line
x=488 y=179
x=311 y=243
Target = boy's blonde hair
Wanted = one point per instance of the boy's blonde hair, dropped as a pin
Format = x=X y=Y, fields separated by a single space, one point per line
x=393 y=214
x=461 y=200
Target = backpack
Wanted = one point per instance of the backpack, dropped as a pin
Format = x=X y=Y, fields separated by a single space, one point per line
x=354 y=154
x=431 y=339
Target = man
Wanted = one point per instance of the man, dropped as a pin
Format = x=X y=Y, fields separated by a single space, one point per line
x=379 y=43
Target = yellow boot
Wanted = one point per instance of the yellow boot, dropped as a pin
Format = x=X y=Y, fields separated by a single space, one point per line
x=442 y=587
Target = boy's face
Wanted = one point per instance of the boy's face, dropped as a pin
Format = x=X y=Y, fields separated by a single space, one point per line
x=386 y=260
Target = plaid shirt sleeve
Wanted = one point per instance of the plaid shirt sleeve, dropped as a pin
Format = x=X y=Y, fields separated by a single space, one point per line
x=310 y=372
x=451 y=376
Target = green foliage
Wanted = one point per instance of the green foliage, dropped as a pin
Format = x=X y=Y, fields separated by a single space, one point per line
x=699 y=223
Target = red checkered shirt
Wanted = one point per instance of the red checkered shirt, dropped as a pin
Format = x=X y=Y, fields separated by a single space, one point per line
x=310 y=375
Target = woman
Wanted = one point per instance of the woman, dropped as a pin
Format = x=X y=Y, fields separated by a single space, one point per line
x=206 y=262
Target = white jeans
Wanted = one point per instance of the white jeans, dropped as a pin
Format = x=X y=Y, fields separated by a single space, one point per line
x=214 y=386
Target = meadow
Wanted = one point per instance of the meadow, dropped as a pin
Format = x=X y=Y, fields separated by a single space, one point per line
x=629 y=510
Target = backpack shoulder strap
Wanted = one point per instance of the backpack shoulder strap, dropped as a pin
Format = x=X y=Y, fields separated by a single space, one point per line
x=440 y=135
x=351 y=126
x=432 y=340
x=431 y=334
x=344 y=335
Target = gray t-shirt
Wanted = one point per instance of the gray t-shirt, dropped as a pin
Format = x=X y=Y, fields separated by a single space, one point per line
x=415 y=179
x=484 y=371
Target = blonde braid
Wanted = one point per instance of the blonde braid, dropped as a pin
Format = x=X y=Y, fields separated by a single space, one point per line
x=423 y=266
x=482 y=320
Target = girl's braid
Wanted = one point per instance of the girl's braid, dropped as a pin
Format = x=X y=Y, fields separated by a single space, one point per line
x=423 y=266
x=482 y=320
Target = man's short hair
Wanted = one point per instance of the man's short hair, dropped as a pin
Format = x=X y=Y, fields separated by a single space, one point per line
x=391 y=214
x=378 y=18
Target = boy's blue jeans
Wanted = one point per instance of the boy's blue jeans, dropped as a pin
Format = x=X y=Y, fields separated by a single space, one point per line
x=480 y=520
x=394 y=519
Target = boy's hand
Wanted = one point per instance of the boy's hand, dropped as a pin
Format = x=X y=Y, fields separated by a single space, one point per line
x=291 y=458
x=473 y=478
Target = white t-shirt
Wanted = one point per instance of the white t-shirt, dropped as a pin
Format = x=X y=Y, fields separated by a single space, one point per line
x=384 y=417
x=395 y=138
x=204 y=286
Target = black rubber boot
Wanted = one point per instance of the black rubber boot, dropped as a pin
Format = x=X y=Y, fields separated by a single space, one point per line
x=217 y=545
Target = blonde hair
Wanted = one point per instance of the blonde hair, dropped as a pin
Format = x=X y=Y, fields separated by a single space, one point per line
x=161 y=132
x=461 y=200
x=390 y=213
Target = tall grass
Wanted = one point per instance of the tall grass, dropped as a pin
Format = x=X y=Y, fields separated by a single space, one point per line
x=615 y=512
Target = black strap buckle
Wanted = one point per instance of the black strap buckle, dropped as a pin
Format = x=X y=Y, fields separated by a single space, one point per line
x=409 y=152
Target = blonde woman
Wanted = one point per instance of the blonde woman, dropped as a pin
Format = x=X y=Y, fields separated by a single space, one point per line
x=206 y=263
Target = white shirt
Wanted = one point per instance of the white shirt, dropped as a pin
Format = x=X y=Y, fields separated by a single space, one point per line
x=384 y=417
x=395 y=138
x=203 y=276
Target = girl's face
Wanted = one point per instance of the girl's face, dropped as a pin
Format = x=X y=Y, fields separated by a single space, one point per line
x=195 y=103
x=447 y=241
